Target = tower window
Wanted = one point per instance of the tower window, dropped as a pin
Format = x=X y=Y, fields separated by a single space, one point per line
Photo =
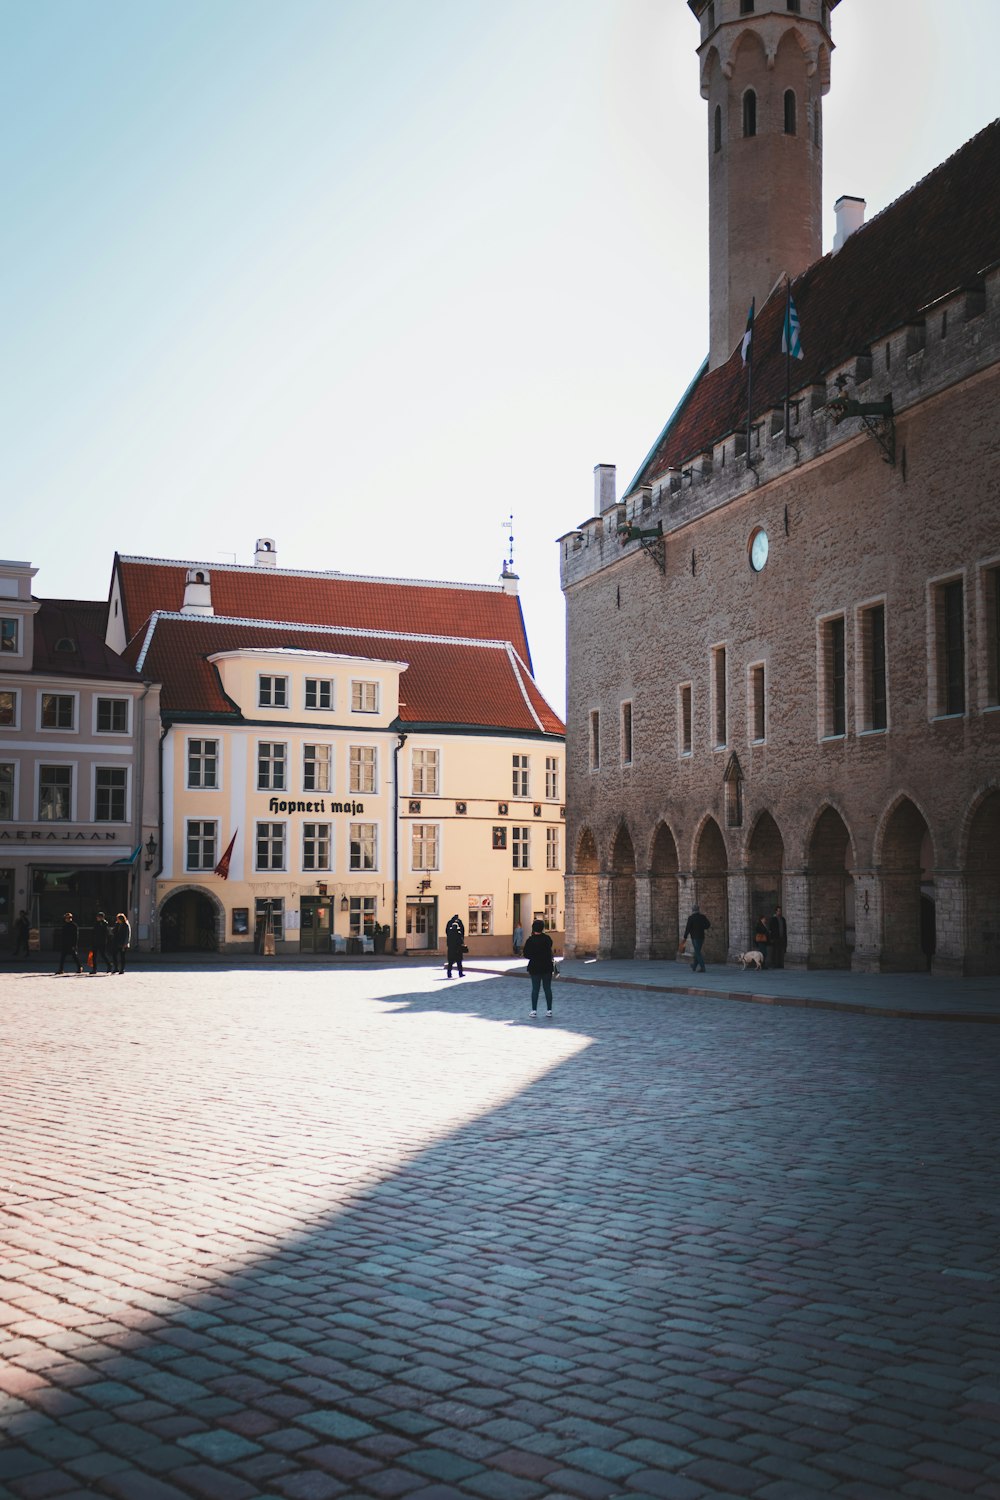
x=718 y=127
x=746 y=7
x=711 y=15
x=789 y=111
x=749 y=113
x=794 y=6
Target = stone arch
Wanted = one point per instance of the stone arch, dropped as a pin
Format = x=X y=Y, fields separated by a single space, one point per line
x=765 y=864
x=710 y=869
x=190 y=919
x=663 y=894
x=622 y=895
x=582 y=898
x=905 y=857
x=830 y=892
x=981 y=866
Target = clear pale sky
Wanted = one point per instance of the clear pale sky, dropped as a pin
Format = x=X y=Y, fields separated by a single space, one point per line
x=368 y=276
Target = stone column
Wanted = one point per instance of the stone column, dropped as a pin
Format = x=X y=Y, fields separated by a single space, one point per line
x=867 y=956
x=739 y=913
x=643 y=917
x=606 y=915
x=950 y=922
x=795 y=910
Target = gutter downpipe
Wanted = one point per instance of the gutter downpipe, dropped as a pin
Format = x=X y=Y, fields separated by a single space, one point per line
x=400 y=742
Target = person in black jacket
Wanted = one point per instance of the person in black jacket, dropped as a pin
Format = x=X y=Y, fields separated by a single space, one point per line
x=778 y=933
x=102 y=940
x=538 y=952
x=121 y=941
x=454 y=936
x=69 y=938
x=697 y=925
x=22 y=928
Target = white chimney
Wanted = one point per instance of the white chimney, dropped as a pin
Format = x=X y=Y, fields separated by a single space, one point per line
x=266 y=555
x=850 y=216
x=604 y=488
x=197 y=592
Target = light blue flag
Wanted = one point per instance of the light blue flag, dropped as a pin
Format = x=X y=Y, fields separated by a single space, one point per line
x=790 y=342
x=131 y=858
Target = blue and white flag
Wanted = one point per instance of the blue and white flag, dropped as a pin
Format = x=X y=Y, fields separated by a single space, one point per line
x=746 y=346
x=790 y=342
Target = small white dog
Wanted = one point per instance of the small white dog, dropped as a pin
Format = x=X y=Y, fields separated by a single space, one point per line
x=751 y=960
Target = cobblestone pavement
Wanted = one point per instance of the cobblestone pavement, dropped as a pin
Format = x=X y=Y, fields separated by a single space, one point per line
x=301 y=1233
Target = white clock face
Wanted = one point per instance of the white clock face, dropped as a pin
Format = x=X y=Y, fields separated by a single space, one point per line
x=758 y=550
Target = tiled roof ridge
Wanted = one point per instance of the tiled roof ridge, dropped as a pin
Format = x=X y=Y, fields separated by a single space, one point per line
x=329 y=574
x=311 y=627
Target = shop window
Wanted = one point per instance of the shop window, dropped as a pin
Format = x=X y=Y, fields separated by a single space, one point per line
x=480 y=923
x=270 y=908
x=550 y=913
x=362 y=916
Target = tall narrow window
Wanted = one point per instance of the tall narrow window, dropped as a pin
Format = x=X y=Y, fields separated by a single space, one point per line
x=834 y=680
x=362 y=768
x=951 y=647
x=626 y=734
x=789 y=111
x=684 y=718
x=749 y=113
x=424 y=846
x=552 y=848
x=425 y=773
x=595 y=739
x=719 y=695
x=316 y=846
x=363 y=846
x=270 y=766
x=6 y=791
x=203 y=763
x=55 y=794
x=717 y=129
x=991 y=601
x=552 y=778
x=316 y=768
x=758 y=721
x=270 y=846
x=521 y=847
x=201 y=844
x=519 y=776
x=110 y=794
x=874 y=702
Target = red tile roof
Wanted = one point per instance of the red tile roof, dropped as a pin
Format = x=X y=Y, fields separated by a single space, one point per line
x=448 y=681
x=477 y=612
x=937 y=239
x=69 y=642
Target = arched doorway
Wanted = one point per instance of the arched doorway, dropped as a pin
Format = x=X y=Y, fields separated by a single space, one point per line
x=711 y=870
x=622 y=896
x=982 y=871
x=907 y=871
x=189 y=923
x=765 y=863
x=831 y=893
x=663 y=864
x=582 y=898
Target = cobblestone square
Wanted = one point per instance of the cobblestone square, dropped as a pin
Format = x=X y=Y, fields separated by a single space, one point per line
x=367 y=1232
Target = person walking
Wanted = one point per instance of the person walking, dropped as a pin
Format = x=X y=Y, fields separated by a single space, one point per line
x=22 y=927
x=541 y=963
x=69 y=938
x=762 y=940
x=778 y=933
x=454 y=936
x=102 y=943
x=121 y=941
x=518 y=940
x=697 y=925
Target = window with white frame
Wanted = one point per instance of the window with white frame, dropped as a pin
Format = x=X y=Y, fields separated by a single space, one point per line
x=316 y=845
x=7 y=770
x=363 y=846
x=270 y=766
x=110 y=794
x=362 y=916
x=424 y=846
x=552 y=777
x=58 y=711
x=626 y=729
x=519 y=775
x=480 y=923
x=8 y=708
x=272 y=692
x=552 y=848
x=364 y=697
x=425 y=773
x=112 y=715
x=9 y=634
x=55 y=794
x=316 y=765
x=319 y=693
x=202 y=844
x=270 y=846
x=521 y=848
x=270 y=909
x=362 y=763
x=549 y=914
x=203 y=763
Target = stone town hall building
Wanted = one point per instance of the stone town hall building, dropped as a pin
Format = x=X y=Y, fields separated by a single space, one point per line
x=783 y=658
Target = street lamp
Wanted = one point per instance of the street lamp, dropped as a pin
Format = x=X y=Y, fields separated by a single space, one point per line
x=151 y=848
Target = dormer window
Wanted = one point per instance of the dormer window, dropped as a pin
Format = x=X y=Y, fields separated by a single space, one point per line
x=65 y=644
x=9 y=635
x=273 y=692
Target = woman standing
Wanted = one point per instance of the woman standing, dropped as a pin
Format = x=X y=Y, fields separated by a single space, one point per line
x=538 y=952
x=121 y=941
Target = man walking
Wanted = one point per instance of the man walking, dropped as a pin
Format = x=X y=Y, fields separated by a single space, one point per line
x=697 y=925
x=778 y=935
x=69 y=938
x=454 y=936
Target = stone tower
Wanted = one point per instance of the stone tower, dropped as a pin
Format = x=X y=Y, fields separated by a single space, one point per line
x=765 y=66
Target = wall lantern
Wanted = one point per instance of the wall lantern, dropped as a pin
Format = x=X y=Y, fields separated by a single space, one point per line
x=151 y=848
x=345 y=905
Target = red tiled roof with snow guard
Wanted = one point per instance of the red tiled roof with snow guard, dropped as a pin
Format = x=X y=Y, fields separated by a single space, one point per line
x=448 y=681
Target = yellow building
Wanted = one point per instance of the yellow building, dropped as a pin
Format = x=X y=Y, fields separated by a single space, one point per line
x=340 y=769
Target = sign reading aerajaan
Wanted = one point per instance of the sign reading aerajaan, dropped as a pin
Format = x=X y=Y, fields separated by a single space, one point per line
x=319 y=806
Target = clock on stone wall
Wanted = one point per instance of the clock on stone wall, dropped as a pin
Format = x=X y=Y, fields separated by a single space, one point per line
x=758 y=549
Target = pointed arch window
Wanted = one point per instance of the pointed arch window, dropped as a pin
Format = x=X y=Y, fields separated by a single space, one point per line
x=718 y=128
x=749 y=113
x=790 y=112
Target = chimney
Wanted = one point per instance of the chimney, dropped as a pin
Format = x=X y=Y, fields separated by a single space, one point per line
x=604 y=488
x=266 y=555
x=197 y=592
x=508 y=578
x=850 y=216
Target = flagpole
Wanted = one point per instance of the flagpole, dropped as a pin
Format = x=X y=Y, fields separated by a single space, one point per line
x=788 y=355
x=753 y=319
